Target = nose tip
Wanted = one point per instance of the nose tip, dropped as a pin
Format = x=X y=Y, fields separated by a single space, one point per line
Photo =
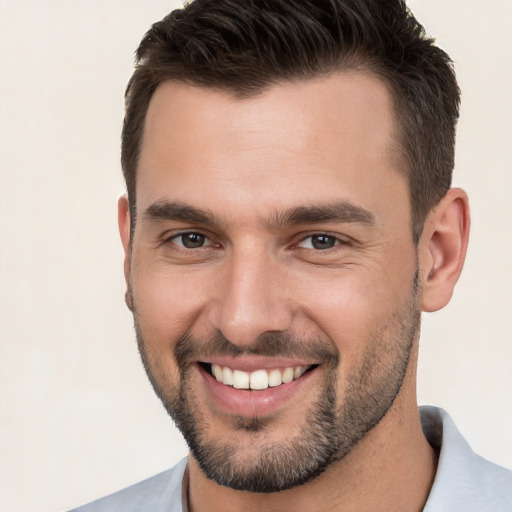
x=246 y=324
x=251 y=301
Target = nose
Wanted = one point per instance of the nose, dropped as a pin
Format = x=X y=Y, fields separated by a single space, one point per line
x=251 y=299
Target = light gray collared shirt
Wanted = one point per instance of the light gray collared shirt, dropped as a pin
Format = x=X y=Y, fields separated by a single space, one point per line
x=464 y=482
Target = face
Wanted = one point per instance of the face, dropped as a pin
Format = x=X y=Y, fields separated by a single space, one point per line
x=272 y=273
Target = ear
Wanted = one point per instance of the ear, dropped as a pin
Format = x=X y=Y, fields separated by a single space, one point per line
x=442 y=249
x=123 y=219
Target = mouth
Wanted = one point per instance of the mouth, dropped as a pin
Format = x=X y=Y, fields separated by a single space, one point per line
x=256 y=386
x=257 y=379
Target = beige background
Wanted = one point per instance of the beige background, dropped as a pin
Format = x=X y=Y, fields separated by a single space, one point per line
x=77 y=416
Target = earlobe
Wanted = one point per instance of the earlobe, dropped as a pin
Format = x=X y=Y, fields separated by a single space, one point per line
x=123 y=219
x=442 y=249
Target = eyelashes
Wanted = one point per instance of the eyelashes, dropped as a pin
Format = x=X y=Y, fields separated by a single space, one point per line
x=319 y=242
x=190 y=240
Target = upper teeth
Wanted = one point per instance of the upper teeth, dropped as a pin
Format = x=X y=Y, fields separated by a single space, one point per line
x=259 y=379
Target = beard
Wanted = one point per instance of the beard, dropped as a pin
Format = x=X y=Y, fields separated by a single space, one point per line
x=331 y=427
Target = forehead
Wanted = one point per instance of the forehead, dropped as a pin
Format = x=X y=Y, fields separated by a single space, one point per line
x=327 y=138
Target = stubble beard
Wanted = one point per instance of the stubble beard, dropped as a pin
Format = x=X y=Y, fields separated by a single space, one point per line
x=329 y=430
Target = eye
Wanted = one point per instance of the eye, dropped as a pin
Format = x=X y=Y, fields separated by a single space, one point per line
x=319 y=242
x=190 y=240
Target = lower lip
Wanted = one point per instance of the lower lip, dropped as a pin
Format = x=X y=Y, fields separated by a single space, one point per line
x=257 y=403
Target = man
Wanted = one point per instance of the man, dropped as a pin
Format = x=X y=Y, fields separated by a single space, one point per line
x=289 y=215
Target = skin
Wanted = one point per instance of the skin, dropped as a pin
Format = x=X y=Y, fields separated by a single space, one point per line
x=247 y=162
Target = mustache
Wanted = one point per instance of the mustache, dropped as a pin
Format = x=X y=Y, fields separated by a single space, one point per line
x=190 y=348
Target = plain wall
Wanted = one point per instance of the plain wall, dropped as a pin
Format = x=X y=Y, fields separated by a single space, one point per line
x=78 y=418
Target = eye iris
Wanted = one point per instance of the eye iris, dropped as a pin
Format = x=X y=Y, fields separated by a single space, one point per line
x=323 y=241
x=193 y=240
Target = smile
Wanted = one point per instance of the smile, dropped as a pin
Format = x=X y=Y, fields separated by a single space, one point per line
x=259 y=379
x=255 y=386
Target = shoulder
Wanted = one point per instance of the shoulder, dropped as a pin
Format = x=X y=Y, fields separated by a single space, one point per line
x=161 y=492
x=464 y=480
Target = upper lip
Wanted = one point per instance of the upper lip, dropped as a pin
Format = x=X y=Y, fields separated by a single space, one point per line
x=253 y=363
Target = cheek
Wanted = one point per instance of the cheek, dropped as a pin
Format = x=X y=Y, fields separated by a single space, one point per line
x=354 y=306
x=167 y=303
x=161 y=319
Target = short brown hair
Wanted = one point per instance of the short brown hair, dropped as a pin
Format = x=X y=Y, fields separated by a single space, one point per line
x=246 y=46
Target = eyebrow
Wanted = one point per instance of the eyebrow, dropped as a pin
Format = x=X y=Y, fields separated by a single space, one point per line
x=171 y=210
x=339 y=211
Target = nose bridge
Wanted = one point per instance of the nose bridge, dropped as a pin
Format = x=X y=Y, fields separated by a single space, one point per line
x=251 y=298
